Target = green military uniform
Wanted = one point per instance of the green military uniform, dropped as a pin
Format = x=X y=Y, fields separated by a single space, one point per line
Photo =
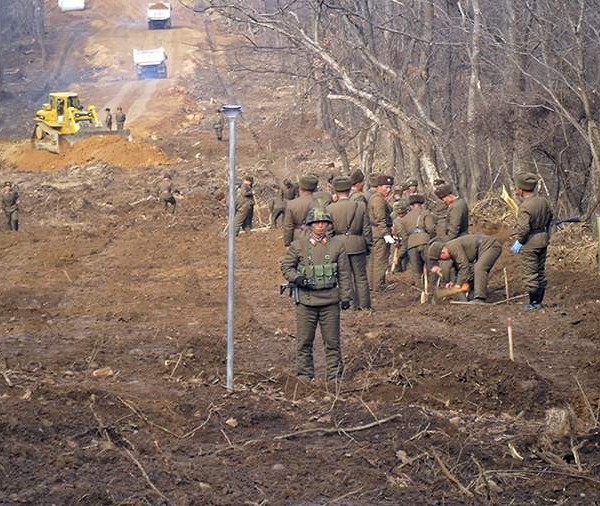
x=218 y=124
x=10 y=206
x=323 y=198
x=321 y=273
x=472 y=259
x=297 y=209
x=120 y=118
x=456 y=221
x=356 y=194
x=351 y=224
x=380 y=216
x=165 y=193
x=415 y=231
x=532 y=231
x=244 y=206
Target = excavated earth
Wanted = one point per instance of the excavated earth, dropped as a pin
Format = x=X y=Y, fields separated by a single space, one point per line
x=113 y=316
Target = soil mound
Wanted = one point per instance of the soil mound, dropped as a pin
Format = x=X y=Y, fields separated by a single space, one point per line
x=113 y=150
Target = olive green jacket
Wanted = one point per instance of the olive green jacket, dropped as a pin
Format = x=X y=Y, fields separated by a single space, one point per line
x=457 y=220
x=415 y=229
x=351 y=224
x=295 y=214
x=302 y=253
x=533 y=222
x=465 y=251
x=380 y=216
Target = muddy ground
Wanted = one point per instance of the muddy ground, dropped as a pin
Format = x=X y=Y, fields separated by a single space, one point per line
x=112 y=318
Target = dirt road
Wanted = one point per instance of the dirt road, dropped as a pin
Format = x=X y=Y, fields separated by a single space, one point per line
x=112 y=323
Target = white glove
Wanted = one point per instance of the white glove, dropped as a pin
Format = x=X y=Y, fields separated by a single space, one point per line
x=388 y=239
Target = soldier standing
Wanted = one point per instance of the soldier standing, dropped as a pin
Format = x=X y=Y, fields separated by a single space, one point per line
x=318 y=268
x=108 y=119
x=297 y=209
x=351 y=224
x=165 y=193
x=358 y=184
x=218 y=125
x=470 y=258
x=415 y=229
x=120 y=118
x=457 y=215
x=10 y=205
x=244 y=206
x=532 y=235
x=289 y=190
x=380 y=216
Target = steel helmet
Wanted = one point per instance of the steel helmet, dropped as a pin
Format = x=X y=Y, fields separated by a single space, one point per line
x=318 y=214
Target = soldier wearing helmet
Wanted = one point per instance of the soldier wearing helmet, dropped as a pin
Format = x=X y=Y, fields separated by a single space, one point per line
x=318 y=268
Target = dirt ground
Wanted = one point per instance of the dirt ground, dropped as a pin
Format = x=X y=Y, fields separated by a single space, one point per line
x=113 y=317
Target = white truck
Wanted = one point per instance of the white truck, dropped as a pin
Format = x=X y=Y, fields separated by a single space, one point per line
x=159 y=15
x=71 y=5
x=150 y=63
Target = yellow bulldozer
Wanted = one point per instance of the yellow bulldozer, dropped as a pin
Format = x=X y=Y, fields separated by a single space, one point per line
x=64 y=118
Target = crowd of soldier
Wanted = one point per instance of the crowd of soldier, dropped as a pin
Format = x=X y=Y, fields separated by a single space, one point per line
x=340 y=248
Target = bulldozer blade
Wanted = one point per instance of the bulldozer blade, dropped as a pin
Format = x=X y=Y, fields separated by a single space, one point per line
x=45 y=138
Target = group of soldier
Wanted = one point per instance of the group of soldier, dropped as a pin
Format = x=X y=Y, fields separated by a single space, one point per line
x=120 y=118
x=343 y=243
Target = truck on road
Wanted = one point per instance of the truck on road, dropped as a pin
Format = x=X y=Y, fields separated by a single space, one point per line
x=150 y=63
x=71 y=5
x=159 y=15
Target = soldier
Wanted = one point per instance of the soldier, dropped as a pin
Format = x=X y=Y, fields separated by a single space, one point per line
x=372 y=180
x=165 y=193
x=297 y=209
x=438 y=208
x=358 y=183
x=380 y=216
x=10 y=205
x=415 y=229
x=120 y=118
x=289 y=190
x=218 y=124
x=244 y=206
x=108 y=119
x=410 y=187
x=324 y=197
x=277 y=208
x=470 y=258
x=532 y=235
x=351 y=225
x=457 y=215
x=319 y=270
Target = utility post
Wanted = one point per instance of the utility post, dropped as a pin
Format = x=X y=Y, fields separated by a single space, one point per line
x=231 y=112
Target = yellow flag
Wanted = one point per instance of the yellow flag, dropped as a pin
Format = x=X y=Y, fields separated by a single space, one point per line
x=510 y=202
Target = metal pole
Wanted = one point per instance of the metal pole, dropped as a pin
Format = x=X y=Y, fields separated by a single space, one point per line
x=231 y=112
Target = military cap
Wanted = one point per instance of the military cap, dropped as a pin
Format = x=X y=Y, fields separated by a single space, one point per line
x=435 y=248
x=410 y=182
x=7 y=183
x=373 y=176
x=416 y=198
x=383 y=180
x=438 y=181
x=341 y=183
x=318 y=214
x=357 y=176
x=526 y=181
x=443 y=190
x=166 y=175
x=309 y=182
x=250 y=179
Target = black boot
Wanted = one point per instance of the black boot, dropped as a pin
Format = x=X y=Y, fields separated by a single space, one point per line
x=533 y=301
x=540 y=296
